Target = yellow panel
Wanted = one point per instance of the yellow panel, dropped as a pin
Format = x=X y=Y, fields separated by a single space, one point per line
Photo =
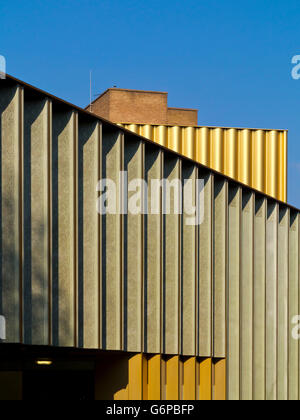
x=135 y=370
x=172 y=378
x=160 y=135
x=154 y=377
x=257 y=158
x=244 y=174
x=217 y=150
x=282 y=164
x=231 y=149
x=122 y=395
x=188 y=144
x=202 y=146
x=147 y=131
x=174 y=139
x=271 y=164
x=205 y=375
x=189 y=378
x=220 y=380
x=258 y=161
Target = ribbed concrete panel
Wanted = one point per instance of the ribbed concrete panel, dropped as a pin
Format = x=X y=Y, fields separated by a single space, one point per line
x=293 y=380
x=259 y=309
x=220 y=265
x=233 y=308
x=205 y=259
x=64 y=173
x=153 y=252
x=89 y=234
x=246 y=295
x=283 y=323
x=112 y=243
x=37 y=143
x=189 y=262
x=171 y=255
x=257 y=158
x=133 y=240
x=271 y=301
x=11 y=137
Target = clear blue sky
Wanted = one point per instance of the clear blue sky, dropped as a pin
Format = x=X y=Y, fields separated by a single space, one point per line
x=230 y=59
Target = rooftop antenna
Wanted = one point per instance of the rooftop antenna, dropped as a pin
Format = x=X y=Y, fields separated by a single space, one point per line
x=90 y=90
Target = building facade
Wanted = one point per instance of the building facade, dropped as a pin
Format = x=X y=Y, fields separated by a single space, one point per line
x=143 y=305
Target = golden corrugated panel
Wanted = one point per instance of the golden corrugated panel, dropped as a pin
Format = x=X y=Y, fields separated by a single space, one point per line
x=128 y=376
x=257 y=158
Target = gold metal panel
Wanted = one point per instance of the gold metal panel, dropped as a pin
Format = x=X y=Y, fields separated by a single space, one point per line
x=254 y=157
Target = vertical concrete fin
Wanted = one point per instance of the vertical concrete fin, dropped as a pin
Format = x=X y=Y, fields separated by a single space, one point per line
x=11 y=137
x=153 y=251
x=64 y=174
x=205 y=257
x=171 y=254
x=189 y=261
x=271 y=301
x=89 y=241
x=246 y=296
x=293 y=379
x=259 y=309
x=283 y=324
x=36 y=219
x=220 y=265
x=112 y=240
x=133 y=246
x=233 y=308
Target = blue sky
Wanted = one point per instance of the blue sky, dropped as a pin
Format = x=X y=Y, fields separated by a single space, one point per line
x=230 y=59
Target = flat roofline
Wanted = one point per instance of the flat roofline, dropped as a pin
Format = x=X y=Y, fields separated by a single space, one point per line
x=183 y=109
x=207 y=126
x=129 y=90
x=151 y=142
